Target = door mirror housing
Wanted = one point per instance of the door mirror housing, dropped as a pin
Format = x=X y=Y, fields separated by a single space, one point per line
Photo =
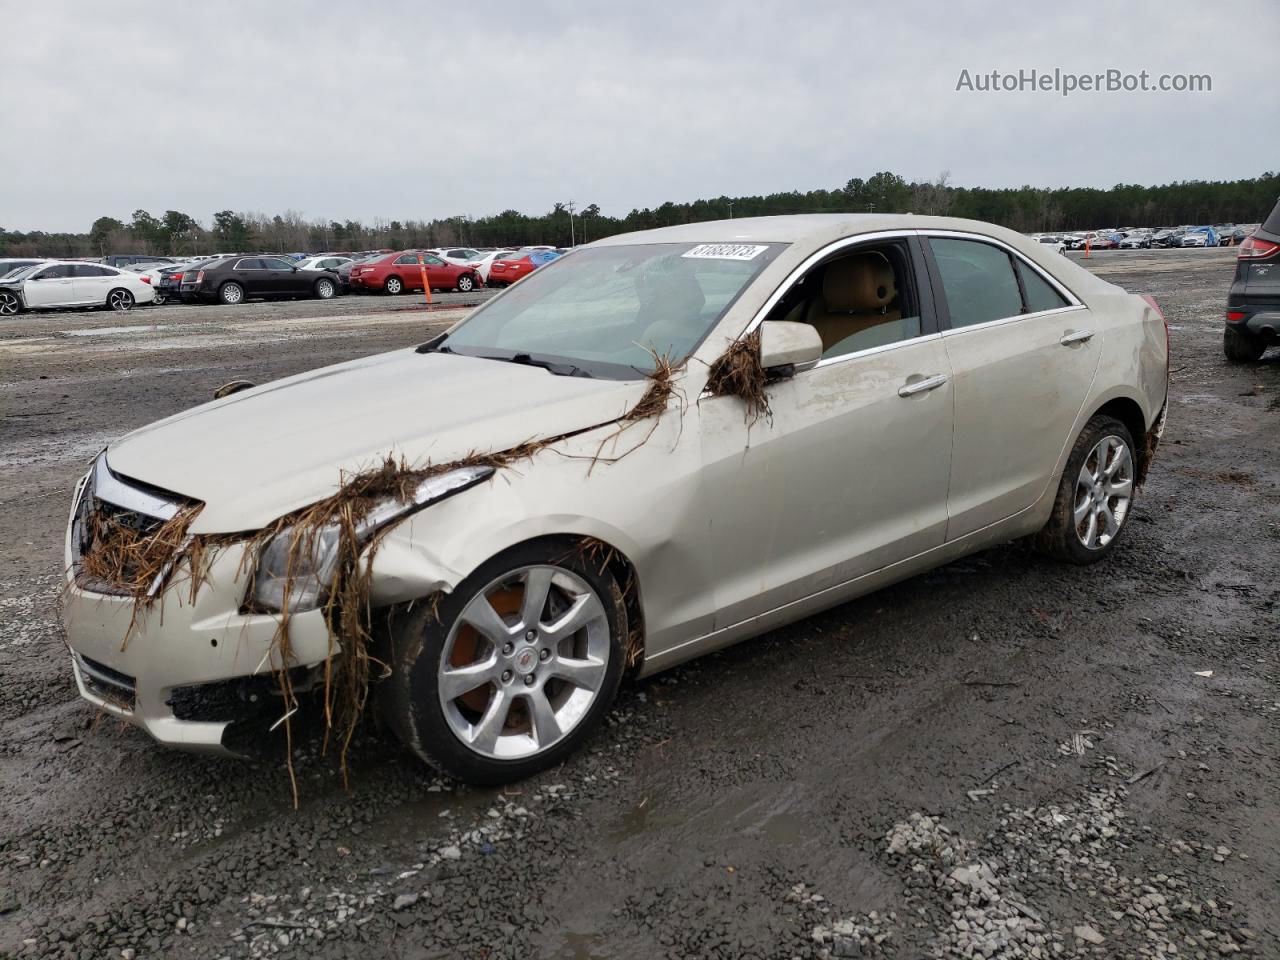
x=789 y=347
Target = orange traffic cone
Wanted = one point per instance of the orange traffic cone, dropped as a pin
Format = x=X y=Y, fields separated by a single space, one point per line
x=1086 y=247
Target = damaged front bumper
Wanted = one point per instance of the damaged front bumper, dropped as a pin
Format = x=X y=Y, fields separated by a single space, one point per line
x=192 y=674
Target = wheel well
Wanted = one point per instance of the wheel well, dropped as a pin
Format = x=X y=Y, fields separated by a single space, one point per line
x=605 y=557
x=1130 y=414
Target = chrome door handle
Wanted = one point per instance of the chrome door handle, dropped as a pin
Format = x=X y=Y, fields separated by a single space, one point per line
x=921 y=386
x=1077 y=336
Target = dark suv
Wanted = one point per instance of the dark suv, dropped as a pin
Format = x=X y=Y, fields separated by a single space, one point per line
x=1253 y=304
x=233 y=280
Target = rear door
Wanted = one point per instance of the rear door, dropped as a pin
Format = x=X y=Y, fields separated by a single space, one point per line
x=52 y=286
x=250 y=273
x=1023 y=354
x=92 y=283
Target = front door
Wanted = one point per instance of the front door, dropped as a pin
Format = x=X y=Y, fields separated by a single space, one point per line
x=52 y=286
x=849 y=472
x=1023 y=353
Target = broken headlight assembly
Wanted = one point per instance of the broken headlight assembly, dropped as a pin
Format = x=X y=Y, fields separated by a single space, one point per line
x=299 y=579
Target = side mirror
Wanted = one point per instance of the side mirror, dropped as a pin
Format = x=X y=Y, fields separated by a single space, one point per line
x=788 y=347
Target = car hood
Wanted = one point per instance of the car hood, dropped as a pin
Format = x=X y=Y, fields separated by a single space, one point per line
x=259 y=454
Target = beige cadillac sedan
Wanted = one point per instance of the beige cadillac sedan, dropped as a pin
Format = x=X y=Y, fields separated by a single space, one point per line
x=920 y=388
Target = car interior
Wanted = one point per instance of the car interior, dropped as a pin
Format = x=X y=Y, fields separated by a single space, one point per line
x=856 y=300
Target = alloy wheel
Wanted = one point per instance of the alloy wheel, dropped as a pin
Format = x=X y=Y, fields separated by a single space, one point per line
x=324 y=289
x=120 y=300
x=232 y=293
x=524 y=662
x=1104 y=490
x=464 y=284
x=9 y=305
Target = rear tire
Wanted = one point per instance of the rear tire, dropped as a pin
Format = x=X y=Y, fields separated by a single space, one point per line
x=119 y=300
x=1241 y=346
x=1095 y=495
x=160 y=300
x=324 y=289
x=231 y=293
x=393 y=286
x=521 y=713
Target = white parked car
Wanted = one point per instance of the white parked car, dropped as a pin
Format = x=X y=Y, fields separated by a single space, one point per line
x=483 y=261
x=1055 y=243
x=322 y=263
x=460 y=256
x=513 y=516
x=63 y=283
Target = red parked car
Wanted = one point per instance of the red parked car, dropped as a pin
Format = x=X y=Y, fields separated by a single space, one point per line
x=398 y=272
x=509 y=269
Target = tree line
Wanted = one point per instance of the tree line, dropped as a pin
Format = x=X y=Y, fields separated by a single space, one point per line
x=1026 y=209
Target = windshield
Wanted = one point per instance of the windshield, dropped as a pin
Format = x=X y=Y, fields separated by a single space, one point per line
x=21 y=273
x=607 y=310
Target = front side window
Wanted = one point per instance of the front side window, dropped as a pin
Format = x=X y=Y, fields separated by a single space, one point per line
x=608 y=310
x=978 y=281
x=275 y=263
x=434 y=261
x=859 y=299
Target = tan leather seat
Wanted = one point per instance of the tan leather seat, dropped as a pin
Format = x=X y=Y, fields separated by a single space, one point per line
x=676 y=302
x=856 y=293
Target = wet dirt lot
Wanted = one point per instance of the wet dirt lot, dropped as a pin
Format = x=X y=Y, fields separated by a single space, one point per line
x=1002 y=758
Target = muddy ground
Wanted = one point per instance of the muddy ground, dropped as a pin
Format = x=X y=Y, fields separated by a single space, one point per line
x=1005 y=757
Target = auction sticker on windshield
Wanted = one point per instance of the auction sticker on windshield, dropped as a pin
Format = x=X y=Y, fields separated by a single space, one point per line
x=725 y=251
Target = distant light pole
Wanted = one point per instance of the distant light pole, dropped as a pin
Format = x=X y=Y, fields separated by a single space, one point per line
x=730 y=209
x=572 y=235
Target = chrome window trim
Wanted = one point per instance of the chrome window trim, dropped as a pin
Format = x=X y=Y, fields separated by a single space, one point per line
x=957 y=331
x=872 y=351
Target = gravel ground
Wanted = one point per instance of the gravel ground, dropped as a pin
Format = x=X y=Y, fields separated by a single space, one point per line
x=1002 y=758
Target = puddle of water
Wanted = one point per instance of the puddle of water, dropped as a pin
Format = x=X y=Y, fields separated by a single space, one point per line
x=114 y=331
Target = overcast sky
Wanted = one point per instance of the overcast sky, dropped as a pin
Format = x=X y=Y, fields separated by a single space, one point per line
x=414 y=110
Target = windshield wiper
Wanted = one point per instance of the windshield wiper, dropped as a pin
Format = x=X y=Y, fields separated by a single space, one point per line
x=435 y=345
x=559 y=369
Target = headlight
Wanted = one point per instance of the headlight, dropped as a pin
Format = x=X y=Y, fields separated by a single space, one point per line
x=315 y=560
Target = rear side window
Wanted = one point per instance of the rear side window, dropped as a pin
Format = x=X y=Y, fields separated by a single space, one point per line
x=249 y=263
x=408 y=258
x=978 y=281
x=1038 y=293
x=90 y=270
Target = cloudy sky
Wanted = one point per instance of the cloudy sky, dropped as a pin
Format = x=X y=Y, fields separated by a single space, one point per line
x=413 y=110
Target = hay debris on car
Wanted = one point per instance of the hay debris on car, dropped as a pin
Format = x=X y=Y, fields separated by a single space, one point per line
x=738 y=372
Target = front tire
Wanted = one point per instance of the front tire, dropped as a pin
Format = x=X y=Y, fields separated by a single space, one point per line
x=1240 y=346
x=394 y=286
x=1095 y=495
x=465 y=283
x=509 y=673
x=121 y=301
x=231 y=294
x=324 y=289
x=10 y=305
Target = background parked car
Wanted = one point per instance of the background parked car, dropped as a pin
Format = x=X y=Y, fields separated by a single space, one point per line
x=1136 y=241
x=63 y=283
x=504 y=271
x=344 y=271
x=323 y=262
x=401 y=271
x=10 y=265
x=484 y=261
x=461 y=256
x=1253 y=303
x=167 y=281
x=235 y=279
x=1052 y=240
x=129 y=261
